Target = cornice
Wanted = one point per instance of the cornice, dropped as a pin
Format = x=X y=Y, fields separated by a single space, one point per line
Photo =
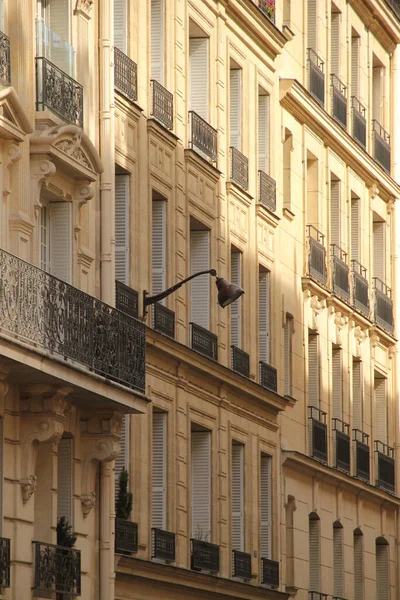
x=380 y=20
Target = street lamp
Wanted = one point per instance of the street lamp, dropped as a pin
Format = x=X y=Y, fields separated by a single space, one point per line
x=227 y=292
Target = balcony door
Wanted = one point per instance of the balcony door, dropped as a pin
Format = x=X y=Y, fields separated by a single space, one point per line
x=53 y=33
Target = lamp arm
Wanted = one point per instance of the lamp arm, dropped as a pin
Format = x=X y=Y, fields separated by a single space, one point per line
x=148 y=300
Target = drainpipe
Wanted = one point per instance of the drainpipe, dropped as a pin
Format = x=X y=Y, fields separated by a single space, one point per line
x=106 y=562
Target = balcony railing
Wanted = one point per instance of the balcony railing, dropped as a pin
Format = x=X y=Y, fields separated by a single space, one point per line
x=381 y=142
x=316 y=255
x=268 y=376
x=266 y=191
x=384 y=466
x=383 y=305
x=316 y=76
x=162 y=545
x=360 y=288
x=57 y=569
x=125 y=75
x=126 y=537
x=202 y=137
x=359 y=122
x=341 y=445
x=317 y=433
x=270 y=572
x=317 y=596
x=239 y=168
x=361 y=455
x=162 y=104
x=204 y=341
x=204 y=556
x=269 y=12
x=4 y=563
x=58 y=92
x=5 y=60
x=164 y=320
x=50 y=315
x=241 y=564
x=126 y=299
x=339 y=101
x=340 y=273
x=240 y=361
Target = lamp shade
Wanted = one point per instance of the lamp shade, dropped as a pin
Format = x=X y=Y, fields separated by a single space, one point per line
x=227 y=292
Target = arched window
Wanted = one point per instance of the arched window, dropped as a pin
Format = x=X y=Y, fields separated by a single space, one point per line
x=314 y=552
x=338 y=567
x=382 y=568
x=358 y=549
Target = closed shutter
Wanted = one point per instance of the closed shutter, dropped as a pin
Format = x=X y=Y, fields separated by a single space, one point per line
x=287 y=343
x=122 y=228
x=377 y=93
x=382 y=572
x=337 y=384
x=235 y=108
x=236 y=276
x=198 y=78
x=338 y=566
x=314 y=551
x=58 y=18
x=358 y=566
x=200 y=287
x=1 y=471
x=378 y=232
x=44 y=239
x=159 y=471
x=120 y=25
x=355 y=65
x=263 y=133
x=380 y=402
x=313 y=370
x=201 y=484
x=263 y=315
x=60 y=240
x=357 y=396
x=64 y=479
x=335 y=212
x=355 y=229
x=157 y=40
x=237 y=497
x=158 y=255
x=335 y=43
x=266 y=505
x=122 y=460
x=312 y=24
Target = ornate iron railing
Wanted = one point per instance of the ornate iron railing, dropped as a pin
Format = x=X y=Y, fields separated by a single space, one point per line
x=162 y=104
x=318 y=433
x=360 y=288
x=268 y=376
x=4 y=563
x=204 y=341
x=240 y=361
x=384 y=466
x=58 y=92
x=241 y=564
x=5 y=59
x=202 y=137
x=339 y=100
x=268 y=11
x=162 y=544
x=126 y=537
x=239 y=168
x=341 y=445
x=51 y=315
x=266 y=191
x=270 y=572
x=316 y=76
x=361 y=454
x=57 y=569
x=340 y=273
x=359 y=122
x=164 y=320
x=381 y=141
x=383 y=305
x=204 y=556
x=125 y=75
x=316 y=255
x=126 y=299
x=317 y=596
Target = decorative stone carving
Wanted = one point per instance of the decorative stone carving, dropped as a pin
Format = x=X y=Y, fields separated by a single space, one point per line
x=340 y=322
x=41 y=171
x=317 y=306
x=84 y=7
x=390 y=206
x=12 y=153
x=373 y=191
x=359 y=336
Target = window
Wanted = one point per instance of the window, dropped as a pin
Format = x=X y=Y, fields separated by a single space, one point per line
x=64 y=479
x=237 y=489
x=313 y=369
x=378 y=239
x=358 y=565
x=122 y=228
x=157 y=40
x=335 y=41
x=314 y=552
x=287 y=347
x=382 y=569
x=122 y=460
x=355 y=228
x=335 y=212
x=338 y=565
x=313 y=201
x=287 y=169
x=378 y=72
x=158 y=254
x=312 y=24
x=200 y=287
x=54 y=33
x=56 y=239
x=380 y=412
x=355 y=64
x=263 y=131
x=201 y=484
x=120 y=25
x=264 y=314
x=337 y=383
x=198 y=76
x=236 y=307
x=235 y=125
x=266 y=502
x=159 y=471
x=357 y=395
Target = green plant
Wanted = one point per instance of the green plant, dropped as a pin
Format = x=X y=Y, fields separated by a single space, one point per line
x=268 y=6
x=65 y=537
x=123 y=506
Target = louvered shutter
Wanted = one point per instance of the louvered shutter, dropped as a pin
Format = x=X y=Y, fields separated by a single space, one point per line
x=158 y=256
x=44 y=239
x=357 y=395
x=314 y=551
x=198 y=76
x=337 y=384
x=200 y=287
x=378 y=232
x=338 y=565
x=236 y=324
x=201 y=484
x=266 y=505
x=64 y=479
x=313 y=370
x=60 y=240
x=377 y=93
x=159 y=471
x=382 y=572
x=237 y=497
x=235 y=108
x=287 y=343
x=355 y=229
x=263 y=315
x=335 y=212
x=335 y=43
x=358 y=566
x=355 y=65
x=58 y=18
x=263 y=133
x=312 y=24
x=157 y=40
x=122 y=460
x=380 y=402
x=1 y=471
x=122 y=228
x=120 y=25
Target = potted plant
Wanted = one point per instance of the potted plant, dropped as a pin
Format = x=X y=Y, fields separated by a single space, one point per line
x=268 y=7
x=123 y=507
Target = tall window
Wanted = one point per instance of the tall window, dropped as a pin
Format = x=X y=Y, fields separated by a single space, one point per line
x=157 y=40
x=159 y=471
x=236 y=307
x=266 y=504
x=264 y=314
x=338 y=565
x=378 y=233
x=237 y=490
x=355 y=64
x=287 y=169
x=358 y=565
x=200 y=286
x=381 y=409
x=120 y=25
x=312 y=24
x=314 y=552
x=287 y=348
x=64 y=479
x=335 y=212
x=355 y=228
x=198 y=76
x=378 y=73
x=263 y=131
x=313 y=369
x=122 y=228
x=235 y=94
x=53 y=33
x=357 y=411
x=201 y=484
x=335 y=41
x=158 y=254
x=122 y=460
x=56 y=239
x=337 y=383
x=382 y=569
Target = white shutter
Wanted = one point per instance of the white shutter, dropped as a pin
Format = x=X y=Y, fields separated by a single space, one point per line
x=198 y=76
x=235 y=108
x=1 y=471
x=64 y=479
x=378 y=232
x=158 y=255
x=58 y=18
x=122 y=460
x=312 y=24
x=338 y=565
x=355 y=65
x=263 y=133
x=337 y=384
x=313 y=370
x=314 y=555
x=157 y=40
x=263 y=315
x=355 y=229
x=200 y=286
x=60 y=240
x=266 y=505
x=377 y=93
x=357 y=396
x=159 y=471
x=44 y=239
x=237 y=481
x=335 y=212
x=236 y=323
x=335 y=43
x=122 y=228
x=358 y=566
x=380 y=403
x=201 y=484
x=120 y=25
x=287 y=350
x=382 y=572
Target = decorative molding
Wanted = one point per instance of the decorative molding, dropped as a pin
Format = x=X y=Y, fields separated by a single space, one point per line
x=317 y=306
x=390 y=206
x=360 y=336
x=340 y=322
x=373 y=191
x=42 y=169
x=84 y=8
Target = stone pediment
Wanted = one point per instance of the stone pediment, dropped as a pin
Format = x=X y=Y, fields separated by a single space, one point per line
x=14 y=121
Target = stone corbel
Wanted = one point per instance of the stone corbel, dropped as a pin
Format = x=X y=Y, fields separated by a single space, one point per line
x=84 y=7
x=390 y=207
x=359 y=336
x=82 y=193
x=12 y=153
x=41 y=171
x=317 y=306
x=373 y=191
x=340 y=322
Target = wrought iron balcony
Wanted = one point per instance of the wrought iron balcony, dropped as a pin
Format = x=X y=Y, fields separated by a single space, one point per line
x=50 y=315
x=164 y=320
x=162 y=545
x=267 y=191
x=383 y=305
x=202 y=137
x=126 y=299
x=5 y=60
x=340 y=273
x=162 y=104
x=4 y=563
x=381 y=145
x=317 y=596
x=240 y=361
x=270 y=572
x=360 y=293
x=339 y=101
x=204 y=341
x=239 y=168
x=361 y=454
x=316 y=255
x=241 y=564
x=268 y=376
x=384 y=466
x=126 y=537
x=204 y=556
x=317 y=433
x=125 y=75
x=316 y=76
x=359 y=122
x=57 y=569
x=341 y=445
x=268 y=11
